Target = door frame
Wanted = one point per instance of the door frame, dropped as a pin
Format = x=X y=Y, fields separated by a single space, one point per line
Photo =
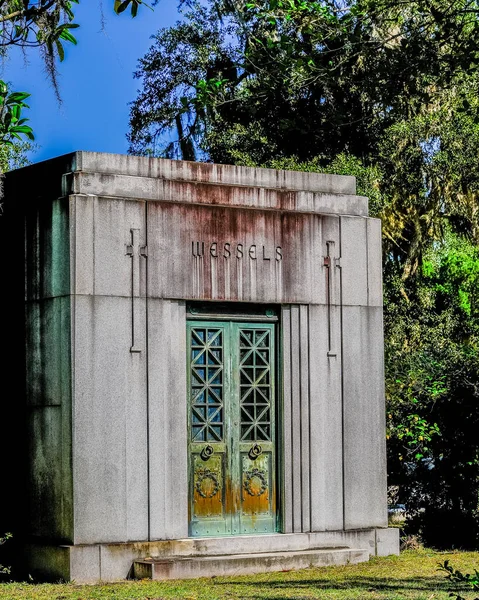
x=247 y=313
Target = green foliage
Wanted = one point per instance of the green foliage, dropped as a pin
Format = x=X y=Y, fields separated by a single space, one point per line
x=414 y=435
x=45 y=25
x=5 y=538
x=432 y=384
x=456 y=576
x=311 y=77
x=12 y=125
x=122 y=5
x=14 y=156
x=386 y=83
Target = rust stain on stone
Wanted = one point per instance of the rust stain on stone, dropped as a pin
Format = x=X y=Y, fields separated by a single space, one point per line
x=237 y=254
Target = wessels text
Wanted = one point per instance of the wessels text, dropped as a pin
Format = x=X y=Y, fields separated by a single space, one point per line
x=228 y=250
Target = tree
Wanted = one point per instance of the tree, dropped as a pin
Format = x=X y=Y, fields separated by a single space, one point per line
x=333 y=75
x=432 y=387
x=376 y=80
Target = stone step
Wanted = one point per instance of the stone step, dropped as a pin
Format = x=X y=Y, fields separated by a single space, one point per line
x=181 y=567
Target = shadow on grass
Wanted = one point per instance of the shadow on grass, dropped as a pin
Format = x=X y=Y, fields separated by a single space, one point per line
x=419 y=584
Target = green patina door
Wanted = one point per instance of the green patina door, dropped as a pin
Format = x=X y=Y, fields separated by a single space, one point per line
x=231 y=428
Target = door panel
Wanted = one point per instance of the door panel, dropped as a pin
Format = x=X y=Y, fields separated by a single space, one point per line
x=257 y=440
x=208 y=386
x=257 y=494
x=231 y=375
x=208 y=515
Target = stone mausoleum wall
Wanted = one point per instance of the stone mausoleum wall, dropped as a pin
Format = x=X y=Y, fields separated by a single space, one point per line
x=109 y=251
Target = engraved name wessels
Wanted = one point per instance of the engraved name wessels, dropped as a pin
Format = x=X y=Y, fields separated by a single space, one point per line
x=230 y=250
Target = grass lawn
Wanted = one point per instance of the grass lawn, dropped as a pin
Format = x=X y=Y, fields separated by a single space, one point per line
x=413 y=575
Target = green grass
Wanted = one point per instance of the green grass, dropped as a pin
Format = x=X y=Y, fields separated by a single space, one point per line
x=413 y=575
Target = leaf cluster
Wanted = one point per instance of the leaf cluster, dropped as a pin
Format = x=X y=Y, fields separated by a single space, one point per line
x=41 y=23
x=317 y=77
x=12 y=125
x=122 y=5
x=456 y=576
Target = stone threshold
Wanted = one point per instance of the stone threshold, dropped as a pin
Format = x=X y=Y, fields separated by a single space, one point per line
x=182 y=567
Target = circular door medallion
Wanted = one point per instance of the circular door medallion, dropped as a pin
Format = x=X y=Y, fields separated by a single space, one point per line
x=207 y=484
x=255 y=482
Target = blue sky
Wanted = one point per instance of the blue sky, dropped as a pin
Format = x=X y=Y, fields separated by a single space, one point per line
x=96 y=80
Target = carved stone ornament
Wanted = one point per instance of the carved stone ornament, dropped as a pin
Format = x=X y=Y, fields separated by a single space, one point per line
x=255 y=482
x=207 y=484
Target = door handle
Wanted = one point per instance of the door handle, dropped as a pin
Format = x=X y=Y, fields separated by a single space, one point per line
x=255 y=451
x=206 y=452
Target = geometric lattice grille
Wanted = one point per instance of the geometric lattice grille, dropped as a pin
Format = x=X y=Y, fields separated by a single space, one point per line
x=255 y=384
x=207 y=384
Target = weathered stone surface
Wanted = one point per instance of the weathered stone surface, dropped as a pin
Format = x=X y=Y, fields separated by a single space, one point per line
x=90 y=171
x=47 y=250
x=313 y=481
x=365 y=502
x=375 y=272
x=117 y=249
x=95 y=162
x=168 y=474
x=326 y=419
x=124 y=186
x=103 y=230
x=110 y=439
x=50 y=563
x=51 y=505
x=245 y=564
x=198 y=252
x=113 y=562
x=354 y=261
x=387 y=541
x=49 y=351
x=85 y=564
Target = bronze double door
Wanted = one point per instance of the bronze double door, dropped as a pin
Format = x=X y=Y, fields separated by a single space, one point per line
x=231 y=428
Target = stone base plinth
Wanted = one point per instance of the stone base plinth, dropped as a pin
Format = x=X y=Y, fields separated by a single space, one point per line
x=112 y=562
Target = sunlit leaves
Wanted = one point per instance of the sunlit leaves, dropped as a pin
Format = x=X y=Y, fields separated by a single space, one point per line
x=121 y=5
x=415 y=435
x=12 y=125
x=459 y=578
x=31 y=24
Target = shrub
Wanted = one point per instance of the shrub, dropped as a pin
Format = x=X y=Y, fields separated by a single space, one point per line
x=471 y=580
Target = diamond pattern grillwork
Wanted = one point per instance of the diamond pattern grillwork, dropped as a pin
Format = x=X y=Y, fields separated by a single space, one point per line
x=207 y=384
x=255 y=384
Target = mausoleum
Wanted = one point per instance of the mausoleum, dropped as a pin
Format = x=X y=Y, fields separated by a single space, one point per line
x=203 y=362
